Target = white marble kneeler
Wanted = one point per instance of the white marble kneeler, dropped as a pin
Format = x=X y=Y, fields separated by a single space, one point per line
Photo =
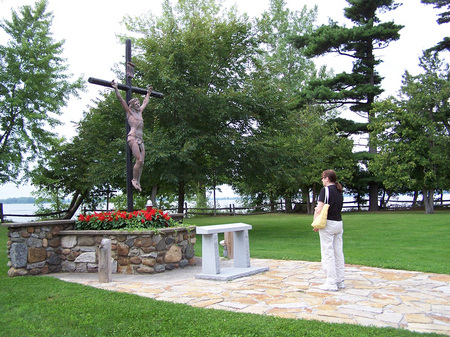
x=241 y=253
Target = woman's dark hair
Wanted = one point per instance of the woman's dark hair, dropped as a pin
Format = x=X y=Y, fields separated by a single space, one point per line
x=331 y=175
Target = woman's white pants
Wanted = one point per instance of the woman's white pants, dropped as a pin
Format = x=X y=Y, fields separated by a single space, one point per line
x=331 y=248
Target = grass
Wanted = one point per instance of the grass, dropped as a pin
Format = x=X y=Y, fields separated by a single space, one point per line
x=397 y=240
x=44 y=306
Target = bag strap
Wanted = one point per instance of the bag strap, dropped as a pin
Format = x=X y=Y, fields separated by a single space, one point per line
x=327 y=196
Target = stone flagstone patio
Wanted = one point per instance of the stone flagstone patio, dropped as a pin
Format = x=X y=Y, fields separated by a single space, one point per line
x=373 y=296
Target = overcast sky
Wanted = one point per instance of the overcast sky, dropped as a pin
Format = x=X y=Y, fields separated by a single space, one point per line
x=91 y=48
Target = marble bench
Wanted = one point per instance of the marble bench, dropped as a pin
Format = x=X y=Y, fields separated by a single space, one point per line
x=241 y=253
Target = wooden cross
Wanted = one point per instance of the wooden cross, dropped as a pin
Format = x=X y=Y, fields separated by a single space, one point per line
x=129 y=70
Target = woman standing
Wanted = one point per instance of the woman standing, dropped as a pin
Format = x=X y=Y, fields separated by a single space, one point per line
x=331 y=244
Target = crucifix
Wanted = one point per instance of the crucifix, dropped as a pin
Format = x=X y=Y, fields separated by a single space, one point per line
x=132 y=138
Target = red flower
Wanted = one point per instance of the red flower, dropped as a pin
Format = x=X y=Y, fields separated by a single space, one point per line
x=122 y=219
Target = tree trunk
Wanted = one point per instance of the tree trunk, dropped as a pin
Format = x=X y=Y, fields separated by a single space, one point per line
x=428 y=200
x=358 y=201
x=305 y=197
x=77 y=200
x=373 y=186
x=180 y=197
x=414 y=202
x=272 y=205
x=313 y=201
x=388 y=198
x=385 y=199
x=153 y=195
x=373 y=196
x=382 y=202
x=73 y=201
x=288 y=202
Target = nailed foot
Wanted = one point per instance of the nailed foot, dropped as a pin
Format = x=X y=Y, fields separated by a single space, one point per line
x=136 y=184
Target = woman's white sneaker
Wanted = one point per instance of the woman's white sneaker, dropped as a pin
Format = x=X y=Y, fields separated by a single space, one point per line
x=340 y=285
x=328 y=287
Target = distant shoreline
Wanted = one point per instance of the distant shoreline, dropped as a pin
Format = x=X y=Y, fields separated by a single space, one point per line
x=24 y=200
x=20 y=200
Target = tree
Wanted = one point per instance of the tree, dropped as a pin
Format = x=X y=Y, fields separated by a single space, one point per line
x=359 y=88
x=287 y=69
x=34 y=87
x=413 y=132
x=62 y=173
x=277 y=78
x=90 y=162
x=202 y=61
x=200 y=58
x=287 y=163
x=319 y=147
x=444 y=17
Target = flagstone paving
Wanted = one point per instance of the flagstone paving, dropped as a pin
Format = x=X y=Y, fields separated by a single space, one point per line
x=373 y=296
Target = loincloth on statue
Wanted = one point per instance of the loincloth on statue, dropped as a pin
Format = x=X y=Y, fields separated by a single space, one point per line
x=132 y=138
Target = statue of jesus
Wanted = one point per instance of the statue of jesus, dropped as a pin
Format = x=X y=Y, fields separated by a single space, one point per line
x=135 y=136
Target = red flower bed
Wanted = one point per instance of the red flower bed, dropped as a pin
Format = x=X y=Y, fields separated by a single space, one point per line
x=155 y=218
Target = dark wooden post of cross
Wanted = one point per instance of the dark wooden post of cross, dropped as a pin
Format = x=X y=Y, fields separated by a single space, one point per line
x=129 y=70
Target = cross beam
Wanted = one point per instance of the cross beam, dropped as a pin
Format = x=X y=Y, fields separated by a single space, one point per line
x=124 y=87
x=129 y=71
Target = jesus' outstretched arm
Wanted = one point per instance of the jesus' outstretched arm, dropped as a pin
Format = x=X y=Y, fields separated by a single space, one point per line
x=119 y=96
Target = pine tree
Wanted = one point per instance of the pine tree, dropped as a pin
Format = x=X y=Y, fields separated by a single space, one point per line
x=444 y=17
x=359 y=88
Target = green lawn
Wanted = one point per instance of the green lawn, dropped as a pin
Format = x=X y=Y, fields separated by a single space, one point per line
x=397 y=240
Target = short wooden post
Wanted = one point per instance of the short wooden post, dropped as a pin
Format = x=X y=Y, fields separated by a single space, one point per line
x=229 y=239
x=104 y=261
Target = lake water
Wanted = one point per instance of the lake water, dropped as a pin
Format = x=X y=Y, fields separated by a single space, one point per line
x=27 y=209
x=30 y=209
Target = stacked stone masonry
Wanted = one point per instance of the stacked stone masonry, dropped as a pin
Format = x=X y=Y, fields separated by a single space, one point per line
x=53 y=246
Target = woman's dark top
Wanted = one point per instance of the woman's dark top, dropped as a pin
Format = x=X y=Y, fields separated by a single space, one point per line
x=335 y=200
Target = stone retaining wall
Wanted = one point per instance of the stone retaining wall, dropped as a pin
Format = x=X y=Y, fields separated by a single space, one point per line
x=44 y=247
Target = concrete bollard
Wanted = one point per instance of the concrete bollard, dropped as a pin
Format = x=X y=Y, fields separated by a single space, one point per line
x=104 y=261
